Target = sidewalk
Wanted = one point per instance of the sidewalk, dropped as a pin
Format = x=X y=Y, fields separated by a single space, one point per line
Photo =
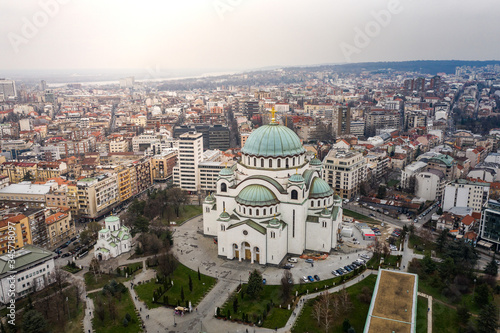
x=89 y=315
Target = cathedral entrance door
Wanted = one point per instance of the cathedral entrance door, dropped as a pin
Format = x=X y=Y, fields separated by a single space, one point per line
x=236 y=252
x=248 y=252
x=256 y=251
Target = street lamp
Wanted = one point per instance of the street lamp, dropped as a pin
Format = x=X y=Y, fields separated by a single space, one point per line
x=474 y=289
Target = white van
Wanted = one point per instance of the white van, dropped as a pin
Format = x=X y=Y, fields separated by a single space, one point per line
x=294 y=260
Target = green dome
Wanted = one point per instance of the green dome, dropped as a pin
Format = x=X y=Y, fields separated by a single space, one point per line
x=296 y=178
x=320 y=189
x=256 y=195
x=315 y=161
x=224 y=216
x=112 y=218
x=274 y=222
x=325 y=212
x=210 y=198
x=226 y=172
x=273 y=140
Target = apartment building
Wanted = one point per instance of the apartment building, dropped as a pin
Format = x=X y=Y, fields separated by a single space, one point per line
x=409 y=173
x=444 y=163
x=97 y=195
x=31 y=195
x=162 y=165
x=118 y=146
x=60 y=226
x=490 y=223
x=40 y=171
x=341 y=121
x=466 y=193
x=190 y=155
x=18 y=224
x=381 y=120
x=344 y=170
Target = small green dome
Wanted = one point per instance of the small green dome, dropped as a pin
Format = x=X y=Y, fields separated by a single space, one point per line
x=273 y=140
x=315 y=161
x=226 y=172
x=256 y=195
x=320 y=189
x=112 y=218
x=296 y=178
x=274 y=222
x=224 y=216
x=210 y=198
x=325 y=212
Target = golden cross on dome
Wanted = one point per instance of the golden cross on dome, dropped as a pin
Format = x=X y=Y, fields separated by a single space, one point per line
x=273 y=111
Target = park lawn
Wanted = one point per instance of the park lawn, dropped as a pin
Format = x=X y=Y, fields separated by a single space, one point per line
x=186 y=212
x=124 y=306
x=96 y=282
x=424 y=247
x=357 y=315
x=359 y=216
x=255 y=307
x=391 y=261
x=444 y=318
x=70 y=269
x=422 y=306
x=181 y=280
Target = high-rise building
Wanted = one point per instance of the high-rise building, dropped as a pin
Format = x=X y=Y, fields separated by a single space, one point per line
x=214 y=137
x=190 y=155
x=381 y=119
x=465 y=193
x=7 y=90
x=344 y=171
x=341 y=121
x=490 y=223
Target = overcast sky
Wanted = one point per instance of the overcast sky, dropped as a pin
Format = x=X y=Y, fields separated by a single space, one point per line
x=242 y=34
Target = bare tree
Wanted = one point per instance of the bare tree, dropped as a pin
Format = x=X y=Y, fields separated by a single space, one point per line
x=59 y=277
x=323 y=310
x=286 y=285
x=345 y=300
x=94 y=266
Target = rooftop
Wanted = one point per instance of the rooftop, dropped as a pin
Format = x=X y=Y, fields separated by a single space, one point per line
x=25 y=256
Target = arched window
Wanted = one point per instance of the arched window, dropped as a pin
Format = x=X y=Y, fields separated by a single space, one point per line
x=262 y=163
x=239 y=209
x=295 y=195
x=249 y=211
x=257 y=212
x=324 y=202
x=264 y=213
x=286 y=162
x=223 y=187
x=270 y=163
x=279 y=163
x=244 y=210
x=222 y=227
x=312 y=203
x=254 y=162
x=293 y=161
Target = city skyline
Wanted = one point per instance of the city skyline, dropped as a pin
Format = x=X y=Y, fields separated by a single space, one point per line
x=224 y=35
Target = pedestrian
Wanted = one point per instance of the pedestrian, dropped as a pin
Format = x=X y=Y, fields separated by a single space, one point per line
x=140 y=309
x=196 y=309
x=90 y=313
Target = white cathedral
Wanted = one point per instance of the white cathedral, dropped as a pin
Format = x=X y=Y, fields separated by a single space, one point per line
x=114 y=239
x=273 y=203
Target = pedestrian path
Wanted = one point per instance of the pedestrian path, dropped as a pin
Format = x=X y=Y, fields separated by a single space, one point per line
x=429 y=311
x=89 y=315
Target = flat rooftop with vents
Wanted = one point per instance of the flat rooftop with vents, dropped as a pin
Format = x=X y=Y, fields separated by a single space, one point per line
x=393 y=308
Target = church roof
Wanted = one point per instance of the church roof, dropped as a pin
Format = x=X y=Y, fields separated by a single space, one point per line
x=226 y=172
x=320 y=189
x=296 y=178
x=273 y=140
x=256 y=195
x=315 y=161
x=268 y=179
x=112 y=218
x=252 y=224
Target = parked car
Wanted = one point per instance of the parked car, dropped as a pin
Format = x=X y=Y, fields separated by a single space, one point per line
x=365 y=256
x=340 y=272
x=310 y=278
x=294 y=260
x=335 y=273
x=67 y=254
x=305 y=279
x=347 y=268
x=288 y=266
x=58 y=251
x=317 y=277
x=309 y=261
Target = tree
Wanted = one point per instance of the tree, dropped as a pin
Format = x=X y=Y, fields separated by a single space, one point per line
x=190 y=283
x=34 y=322
x=463 y=314
x=235 y=305
x=482 y=297
x=28 y=177
x=345 y=300
x=254 y=284
x=199 y=275
x=178 y=198
x=182 y=294
x=286 y=285
x=323 y=311
x=491 y=268
x=442 y=240
x=488 y=319
x=94 y=266
x=381 y=191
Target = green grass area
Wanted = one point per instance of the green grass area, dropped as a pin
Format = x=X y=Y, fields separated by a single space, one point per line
x=70 y=269
x=123 y=306
x=444 y=319
x=392 y=183
x=180 y=278
x=96 y=282
x=421 y=246
x=422 y=306
x=391 y=261
x=356 y=316
x=359 y=216
x=186 y=212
